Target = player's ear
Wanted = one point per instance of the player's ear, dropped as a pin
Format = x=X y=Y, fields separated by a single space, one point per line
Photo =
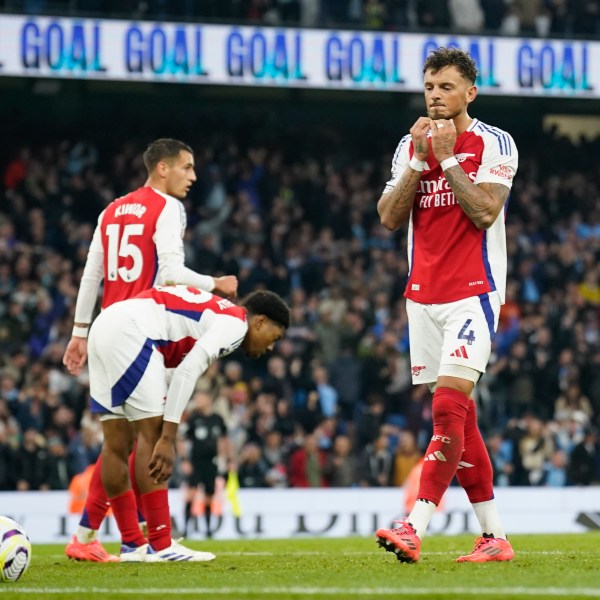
x=162 y=168
x=260 y=321
x=471 y=94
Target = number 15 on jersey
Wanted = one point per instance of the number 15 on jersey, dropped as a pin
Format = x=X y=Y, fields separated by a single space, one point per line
x=121 y=246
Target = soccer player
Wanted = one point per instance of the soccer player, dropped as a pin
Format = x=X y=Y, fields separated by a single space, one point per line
x=451 y=178
x=210 y=446
x=138 y=241
x=131 y=346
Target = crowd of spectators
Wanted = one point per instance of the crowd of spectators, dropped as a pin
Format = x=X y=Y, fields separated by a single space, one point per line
x=295 y=212
x=510 y=17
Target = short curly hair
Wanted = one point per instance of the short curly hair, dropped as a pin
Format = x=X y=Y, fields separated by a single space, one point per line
x=451 y=57
x=270 y=305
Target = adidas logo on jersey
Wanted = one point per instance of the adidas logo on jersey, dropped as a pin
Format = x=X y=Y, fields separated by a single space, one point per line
x=460 y=353
x=463 y=156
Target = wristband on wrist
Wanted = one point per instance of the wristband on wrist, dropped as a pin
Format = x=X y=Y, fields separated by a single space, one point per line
x=417 y=165
x=80 y=331
x=449 y=162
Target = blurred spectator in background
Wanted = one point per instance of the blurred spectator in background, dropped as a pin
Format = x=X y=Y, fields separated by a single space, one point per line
x=433 y=14
x=536 y=447
x=406 y=457
x=252 y=469
x=584 y=464
x=307 y=465
x=342 y=467
x=501 y=455
x=376 y=461
x=32 y=462
x=466 y=16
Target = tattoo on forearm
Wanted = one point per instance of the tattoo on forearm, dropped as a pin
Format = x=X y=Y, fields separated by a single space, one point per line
x=394 y=208
x=481 y=208
x=405 y=195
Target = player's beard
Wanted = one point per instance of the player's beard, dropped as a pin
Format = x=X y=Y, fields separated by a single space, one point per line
x=440 y=112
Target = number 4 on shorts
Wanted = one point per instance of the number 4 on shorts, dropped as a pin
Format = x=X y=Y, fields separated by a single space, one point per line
x=463 y=335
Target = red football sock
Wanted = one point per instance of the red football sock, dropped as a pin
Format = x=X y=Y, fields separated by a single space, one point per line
x=155 y=506
x=96 y=503
x=125 y=513
x=441 y=459
x=134 y=485
x=475 y=473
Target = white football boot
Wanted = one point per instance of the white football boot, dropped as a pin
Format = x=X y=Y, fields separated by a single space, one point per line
x=177 y=552
x=134 y=553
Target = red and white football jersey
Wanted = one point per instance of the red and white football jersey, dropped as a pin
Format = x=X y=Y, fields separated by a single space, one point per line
x=128 y=228
x=132 y=343
x=449 y=257
x=137 y=243
x=178 y=316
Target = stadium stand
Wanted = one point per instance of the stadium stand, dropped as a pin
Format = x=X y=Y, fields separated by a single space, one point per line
x=296 y=214
x=291 y=207
x=512 y=17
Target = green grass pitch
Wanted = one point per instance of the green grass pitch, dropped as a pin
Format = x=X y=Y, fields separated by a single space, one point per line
x=545 y=566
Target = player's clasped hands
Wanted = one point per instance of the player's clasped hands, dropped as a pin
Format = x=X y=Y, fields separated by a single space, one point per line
x=443 y=138
x=418 y=133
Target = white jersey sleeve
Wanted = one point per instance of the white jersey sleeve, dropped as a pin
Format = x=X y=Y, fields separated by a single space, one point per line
x=93 y=273
x=223 y=335
x=168 y=238
x=500 y=159
x=399 y=163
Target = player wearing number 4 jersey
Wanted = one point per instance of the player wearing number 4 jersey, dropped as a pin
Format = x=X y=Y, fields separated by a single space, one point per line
x=138 y=242
x=451 y=178
x=132 y=344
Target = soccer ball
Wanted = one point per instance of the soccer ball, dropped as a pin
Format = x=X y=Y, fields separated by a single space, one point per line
x=15 y=550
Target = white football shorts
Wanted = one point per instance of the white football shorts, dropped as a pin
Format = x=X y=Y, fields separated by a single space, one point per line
x=457 y=333
x=128 y=377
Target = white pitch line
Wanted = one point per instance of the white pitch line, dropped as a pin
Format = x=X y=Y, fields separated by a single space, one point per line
x=314 y=591
x=374 y=552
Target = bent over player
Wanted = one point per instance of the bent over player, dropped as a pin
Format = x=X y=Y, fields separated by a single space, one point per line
x=131 y=345
x=138 y=242
x=451 y=179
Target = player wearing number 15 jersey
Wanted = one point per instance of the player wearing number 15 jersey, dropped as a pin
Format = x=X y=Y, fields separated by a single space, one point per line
x=451 y=178
x=138 y=242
